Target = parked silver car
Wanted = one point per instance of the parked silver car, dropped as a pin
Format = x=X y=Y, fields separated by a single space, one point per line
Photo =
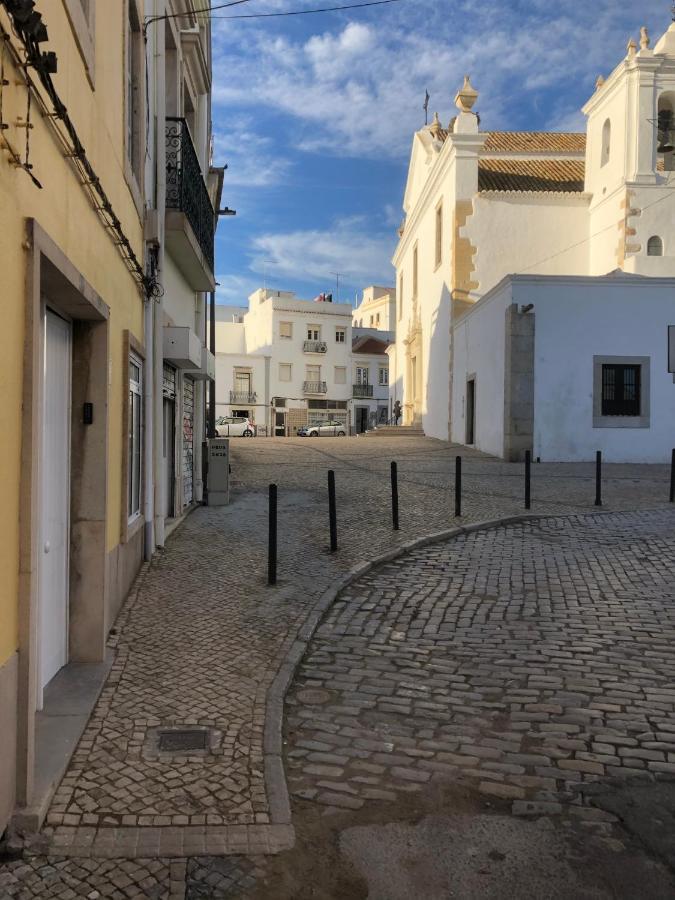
x=234 y=426
x=324 y=429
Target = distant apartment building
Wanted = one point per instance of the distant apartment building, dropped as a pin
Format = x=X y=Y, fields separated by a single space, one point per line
x=377 y=309
x=287 y=364
x=370 y=379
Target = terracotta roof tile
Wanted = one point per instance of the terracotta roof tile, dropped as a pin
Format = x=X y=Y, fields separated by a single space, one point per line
x=535 y=142
x=562 y=175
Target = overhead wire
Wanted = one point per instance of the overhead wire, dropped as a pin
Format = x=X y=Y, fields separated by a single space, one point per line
x=308 y=12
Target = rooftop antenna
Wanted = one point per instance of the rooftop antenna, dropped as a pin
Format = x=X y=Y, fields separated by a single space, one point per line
x=338 y=276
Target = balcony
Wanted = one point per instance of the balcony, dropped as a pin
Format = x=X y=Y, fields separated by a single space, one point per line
x=362 y=390
x=190 y=218
x=315 y=387
x=314 y=346
x=242 y=396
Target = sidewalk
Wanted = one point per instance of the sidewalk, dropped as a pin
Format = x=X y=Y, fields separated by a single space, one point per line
x=202 y=637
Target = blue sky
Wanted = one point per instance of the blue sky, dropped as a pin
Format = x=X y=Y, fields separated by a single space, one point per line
x=314 y=116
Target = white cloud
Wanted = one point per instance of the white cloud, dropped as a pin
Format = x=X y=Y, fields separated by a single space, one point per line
x=251 y=156
x=350 y=247
x=233 y=290
x=357 y=87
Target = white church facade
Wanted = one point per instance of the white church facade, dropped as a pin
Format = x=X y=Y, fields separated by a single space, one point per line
x=536 y=276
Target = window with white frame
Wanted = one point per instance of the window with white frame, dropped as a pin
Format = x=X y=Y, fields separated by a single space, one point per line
x=362 y=375
x=135 y=461
x=285 y=371
x=286 y=329
x=340 y=375
x=313 y=373
x=383 y=375
x=340 y=335
x=313 y=332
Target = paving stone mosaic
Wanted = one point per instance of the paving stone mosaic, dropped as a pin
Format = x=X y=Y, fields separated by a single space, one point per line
x=527 y=660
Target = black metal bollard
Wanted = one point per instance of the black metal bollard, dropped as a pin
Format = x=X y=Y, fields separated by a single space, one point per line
x=598 y=478
x=332 y=511
x=672 y=478
x=272 y=537
x=528 y=474
x=394 y=495
x=458 y=486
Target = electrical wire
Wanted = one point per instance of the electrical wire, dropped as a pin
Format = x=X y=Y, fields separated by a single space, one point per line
x=163 y=18
x=271 y=15
x=307 y=12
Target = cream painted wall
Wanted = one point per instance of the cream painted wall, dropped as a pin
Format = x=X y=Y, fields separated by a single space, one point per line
x=64 y=211
x=527 y=232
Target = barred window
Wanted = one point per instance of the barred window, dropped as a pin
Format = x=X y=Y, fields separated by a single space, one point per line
x=621 y=390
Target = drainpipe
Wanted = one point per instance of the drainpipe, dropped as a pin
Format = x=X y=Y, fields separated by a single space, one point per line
x=149 y=419
x=200 y=408
x=160 y=162
x=212 y=384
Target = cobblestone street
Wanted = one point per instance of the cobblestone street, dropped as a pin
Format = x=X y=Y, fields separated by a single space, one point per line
x=525 y=662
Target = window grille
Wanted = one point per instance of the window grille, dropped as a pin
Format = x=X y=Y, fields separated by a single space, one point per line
x=621 y=390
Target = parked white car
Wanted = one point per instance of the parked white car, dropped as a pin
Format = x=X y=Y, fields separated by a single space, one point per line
x=234 y=426
x=324 y=429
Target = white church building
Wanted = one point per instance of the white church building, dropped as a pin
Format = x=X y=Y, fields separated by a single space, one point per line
x=536 y=276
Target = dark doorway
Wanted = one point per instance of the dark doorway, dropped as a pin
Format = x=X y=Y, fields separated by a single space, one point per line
x=471 y=411
x=361 y=419
x=280 y=424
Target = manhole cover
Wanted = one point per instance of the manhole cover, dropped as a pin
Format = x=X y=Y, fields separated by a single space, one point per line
x=176 y=741
x=313 y=696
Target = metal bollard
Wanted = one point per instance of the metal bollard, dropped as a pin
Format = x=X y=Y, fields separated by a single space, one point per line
x=394 y=495
x=332 y=511
x=528 y=463
x=598 y=478
x=672 y=478
x=272 y=537
x=458 y=486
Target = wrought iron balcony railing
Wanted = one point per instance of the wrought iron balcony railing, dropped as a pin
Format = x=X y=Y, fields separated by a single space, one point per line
x=242 y=396
x=315 y=387
x=362 y=390
x=315 y=346
x=185 y=187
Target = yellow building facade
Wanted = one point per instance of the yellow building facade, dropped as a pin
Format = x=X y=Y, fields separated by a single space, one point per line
x=71 y=351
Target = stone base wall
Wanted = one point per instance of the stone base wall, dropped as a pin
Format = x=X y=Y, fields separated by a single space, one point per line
x=124 y=561
x=8 y=731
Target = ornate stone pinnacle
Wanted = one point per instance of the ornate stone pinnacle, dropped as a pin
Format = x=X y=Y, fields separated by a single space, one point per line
x=466 y=96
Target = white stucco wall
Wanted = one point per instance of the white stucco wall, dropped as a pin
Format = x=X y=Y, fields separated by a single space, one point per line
x=576 y=319
x=527 y=232
x=574 y=323
x=479 y=342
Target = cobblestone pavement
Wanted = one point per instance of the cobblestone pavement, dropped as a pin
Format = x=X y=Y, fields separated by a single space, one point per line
x=528 y=660
x=201 y=638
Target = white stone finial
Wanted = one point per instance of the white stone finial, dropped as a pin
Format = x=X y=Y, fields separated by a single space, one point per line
x=631 y=48
x=599 y=81
x=466 y=96
x=436 y=127
x=644 y=38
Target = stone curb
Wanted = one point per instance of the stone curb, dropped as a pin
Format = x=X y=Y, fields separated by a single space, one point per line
x=275 y=778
